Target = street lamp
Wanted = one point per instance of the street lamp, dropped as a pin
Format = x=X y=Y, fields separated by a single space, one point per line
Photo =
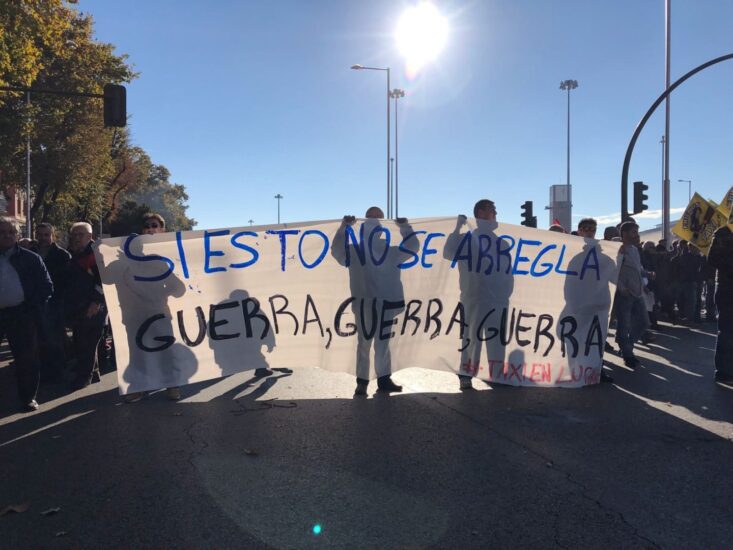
x=568 y=85
x=387 y=70
x=278 y=197
x=396 y=94
x=689 y=189
x=391 y=171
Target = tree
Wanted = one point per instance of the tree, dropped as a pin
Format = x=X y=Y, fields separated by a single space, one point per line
x=71 y=160
x=29 y=30
x=158 y=194
x=80 y=170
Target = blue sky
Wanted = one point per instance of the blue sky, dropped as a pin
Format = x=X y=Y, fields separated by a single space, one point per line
x=243 y=100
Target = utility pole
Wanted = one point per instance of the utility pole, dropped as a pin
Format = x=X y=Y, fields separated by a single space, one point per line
x=278 y=197
x=665 y=187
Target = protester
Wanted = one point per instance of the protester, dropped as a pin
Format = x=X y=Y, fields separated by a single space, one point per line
x=631 y=314
x=52 y=329
x=557 y=228
x=479 y=294
x=663 y=282
x=720 y=257
x=24 y=289
x=687 y=266
x=369 y=282
x=708 y=285
x=610 y=233
x=153 y=224
x=699 y=274
x=84 y=305
x=587 y=228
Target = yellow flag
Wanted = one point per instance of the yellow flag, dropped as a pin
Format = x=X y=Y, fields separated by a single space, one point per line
x=701 y=219
x=726 y=205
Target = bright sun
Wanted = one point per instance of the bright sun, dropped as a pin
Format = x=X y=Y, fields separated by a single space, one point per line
x=421 y=34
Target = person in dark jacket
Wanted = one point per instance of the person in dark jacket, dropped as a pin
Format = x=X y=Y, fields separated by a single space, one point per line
x=663 y=282
x=686 y=268
x=720 y=257
x=24 y=289
x=84 y=305
x=52 y=330
x=708 y=278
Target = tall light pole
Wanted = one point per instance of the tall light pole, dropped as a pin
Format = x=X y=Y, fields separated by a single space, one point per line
x=568 y=85
x=278 y=197
x=665 y=184
x=396 y=94
x=389 y=183
x=664 y=155
x=391 y=171
x=689 y=189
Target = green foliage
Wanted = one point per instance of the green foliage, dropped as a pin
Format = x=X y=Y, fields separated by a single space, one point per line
x=80 y=170
x=29 y=31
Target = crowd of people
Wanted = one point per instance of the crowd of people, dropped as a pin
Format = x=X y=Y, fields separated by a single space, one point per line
x=54 y=318
x=52 y=309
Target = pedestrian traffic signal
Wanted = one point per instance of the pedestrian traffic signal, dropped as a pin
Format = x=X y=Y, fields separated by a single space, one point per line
x=529 y=219
x=640 y=197
x=115 y=105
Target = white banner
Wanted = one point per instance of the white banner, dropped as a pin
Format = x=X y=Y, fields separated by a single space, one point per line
x=505 y=303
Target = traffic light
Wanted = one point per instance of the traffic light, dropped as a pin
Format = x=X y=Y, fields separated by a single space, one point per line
x=529 y=219
x=115 y=105
x=640 y=197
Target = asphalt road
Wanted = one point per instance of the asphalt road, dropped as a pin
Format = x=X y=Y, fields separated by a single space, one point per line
x=242 y=462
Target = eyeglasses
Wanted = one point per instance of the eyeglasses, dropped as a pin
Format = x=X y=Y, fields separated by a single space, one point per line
x=587 y=228
x=151 y=226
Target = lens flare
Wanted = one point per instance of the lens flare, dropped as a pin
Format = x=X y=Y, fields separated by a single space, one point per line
x=422 y=32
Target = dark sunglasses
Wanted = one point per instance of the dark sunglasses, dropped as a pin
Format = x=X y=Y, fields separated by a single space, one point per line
x=151 y=226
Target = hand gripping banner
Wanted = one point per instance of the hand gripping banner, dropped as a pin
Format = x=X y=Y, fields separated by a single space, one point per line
x=504 y=303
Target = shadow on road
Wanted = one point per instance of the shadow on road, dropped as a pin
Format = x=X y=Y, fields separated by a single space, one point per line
x=526 y=467
x=680 y=372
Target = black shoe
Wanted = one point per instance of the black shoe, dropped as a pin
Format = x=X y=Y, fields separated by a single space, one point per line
x=31 y=406
x=647 y=337
x=606 y=377
x=385 y=384
x=724 y=378
x=361 y=387
x=261 y=373
x=608 y=348
x=632 y=362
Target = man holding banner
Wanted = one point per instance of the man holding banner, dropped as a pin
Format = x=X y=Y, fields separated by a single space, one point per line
x=479 y=294
x=374 y=280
